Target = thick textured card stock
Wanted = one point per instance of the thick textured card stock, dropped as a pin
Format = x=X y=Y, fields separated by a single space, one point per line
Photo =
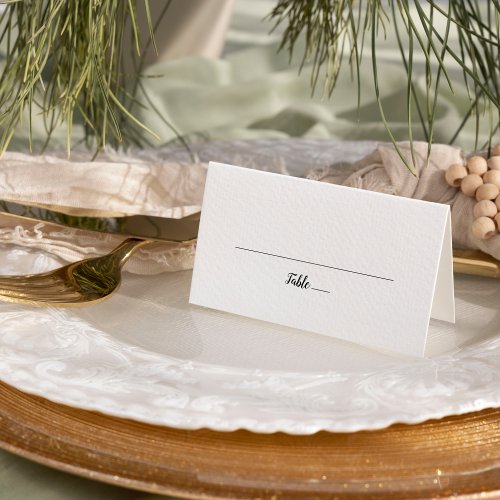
x=366 y=267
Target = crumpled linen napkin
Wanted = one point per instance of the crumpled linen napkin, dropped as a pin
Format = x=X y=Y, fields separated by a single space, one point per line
x=110 y=187
x=174 y=189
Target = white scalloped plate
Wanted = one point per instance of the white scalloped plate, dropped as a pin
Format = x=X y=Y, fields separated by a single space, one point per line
x=146 y=354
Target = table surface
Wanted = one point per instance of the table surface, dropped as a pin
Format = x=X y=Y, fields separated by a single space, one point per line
x=22 y=479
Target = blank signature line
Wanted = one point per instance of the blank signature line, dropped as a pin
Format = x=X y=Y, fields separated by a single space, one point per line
x=314 y=264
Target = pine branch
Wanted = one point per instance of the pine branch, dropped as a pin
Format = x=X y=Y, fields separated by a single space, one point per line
x=329 y=25
x=65 y=61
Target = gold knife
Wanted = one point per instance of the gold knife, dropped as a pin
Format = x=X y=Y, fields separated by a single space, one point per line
x=140 y=226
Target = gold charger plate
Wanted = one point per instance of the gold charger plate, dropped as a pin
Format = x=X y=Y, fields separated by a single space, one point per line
x=440 y=458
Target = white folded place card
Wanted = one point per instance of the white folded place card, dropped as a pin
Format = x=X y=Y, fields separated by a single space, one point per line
x=366 y=267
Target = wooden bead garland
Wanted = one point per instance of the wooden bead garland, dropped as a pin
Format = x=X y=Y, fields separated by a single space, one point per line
x=480 y=179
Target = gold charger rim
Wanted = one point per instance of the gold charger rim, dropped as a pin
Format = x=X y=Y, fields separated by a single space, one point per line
x=457 y=455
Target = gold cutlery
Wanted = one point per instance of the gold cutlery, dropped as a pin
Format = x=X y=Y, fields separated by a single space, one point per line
x=476 y=263
x=90 y=280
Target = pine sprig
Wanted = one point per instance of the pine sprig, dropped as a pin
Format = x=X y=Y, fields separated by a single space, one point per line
x=65 y=61
x=330 y=26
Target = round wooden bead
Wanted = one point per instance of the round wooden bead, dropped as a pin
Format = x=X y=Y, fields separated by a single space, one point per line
x=487 y=192
x=492 y=177
x=497 y=202
x=455 y=174
x=483 y=228
x=494 y=163
x=485 y=208
x=495 y=150
x=470 y=183
x=477 y=165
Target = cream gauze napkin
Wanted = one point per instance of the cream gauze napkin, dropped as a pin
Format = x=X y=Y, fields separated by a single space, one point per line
x=131 y=185
x=100 y=189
